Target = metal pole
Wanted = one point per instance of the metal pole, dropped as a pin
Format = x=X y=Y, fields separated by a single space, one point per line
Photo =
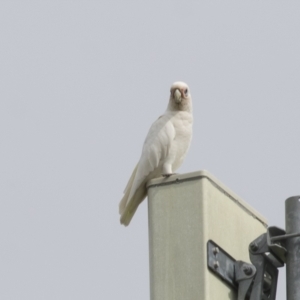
x=292 y=225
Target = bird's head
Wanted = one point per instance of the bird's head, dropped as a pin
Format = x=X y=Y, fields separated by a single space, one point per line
x=180 y=97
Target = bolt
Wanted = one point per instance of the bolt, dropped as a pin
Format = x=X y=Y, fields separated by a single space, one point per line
x=247 y=270
x=216 y=264
x=254 y=246
x=215 y=250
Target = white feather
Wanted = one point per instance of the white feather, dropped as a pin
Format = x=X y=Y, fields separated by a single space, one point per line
x=163 y=152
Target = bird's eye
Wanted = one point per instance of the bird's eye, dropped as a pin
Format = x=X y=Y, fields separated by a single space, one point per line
x=186 y=91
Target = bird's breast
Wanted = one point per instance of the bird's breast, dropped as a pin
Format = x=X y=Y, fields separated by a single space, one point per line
x=182 y=123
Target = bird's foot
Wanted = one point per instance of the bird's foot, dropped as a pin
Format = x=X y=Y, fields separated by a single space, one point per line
x=167 y=175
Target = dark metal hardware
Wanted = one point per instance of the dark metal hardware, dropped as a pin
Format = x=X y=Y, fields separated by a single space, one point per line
x=266 y=263
x=292 y=245
x=237 y=274
x=221 y=263
x=268 y=252
x=256 y=281
x=284 y=237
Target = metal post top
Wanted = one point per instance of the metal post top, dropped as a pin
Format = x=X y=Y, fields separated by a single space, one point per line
x=292 y=199
x=204 y=174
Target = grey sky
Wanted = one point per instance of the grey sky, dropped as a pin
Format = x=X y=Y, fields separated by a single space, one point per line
x=81 y=83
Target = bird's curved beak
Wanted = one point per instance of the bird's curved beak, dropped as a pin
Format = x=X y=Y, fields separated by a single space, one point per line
x=177 y=96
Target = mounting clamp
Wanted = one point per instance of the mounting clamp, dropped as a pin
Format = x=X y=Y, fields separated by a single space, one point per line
x=256 y=281
x=237 y=274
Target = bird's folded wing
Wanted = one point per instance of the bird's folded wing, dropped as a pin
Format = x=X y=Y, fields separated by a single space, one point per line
x=155 y=149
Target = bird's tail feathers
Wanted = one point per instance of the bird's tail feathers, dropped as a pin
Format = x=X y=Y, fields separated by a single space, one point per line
x=132 y=205
x=130 y=181
x=127 y=190
x=123 y=201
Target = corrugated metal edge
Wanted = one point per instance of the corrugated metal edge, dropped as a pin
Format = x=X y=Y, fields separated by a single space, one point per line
x=176 y=178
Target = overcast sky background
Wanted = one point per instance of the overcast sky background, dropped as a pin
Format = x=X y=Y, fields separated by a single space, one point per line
x=80 y=84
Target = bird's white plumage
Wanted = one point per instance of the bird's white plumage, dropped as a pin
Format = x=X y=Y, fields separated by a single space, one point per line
x=164 y=149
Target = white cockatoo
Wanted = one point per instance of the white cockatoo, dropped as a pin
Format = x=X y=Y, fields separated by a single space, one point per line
x=164 y=149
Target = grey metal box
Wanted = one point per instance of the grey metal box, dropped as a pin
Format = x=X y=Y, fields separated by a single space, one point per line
x=185 y=211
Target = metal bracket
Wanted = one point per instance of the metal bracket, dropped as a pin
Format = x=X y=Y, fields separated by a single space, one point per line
x=244 y=275
x=259 y=280
x=221 y=263
x=256 y=281
x=238 y=274
x=266 y=263
x=276 y=242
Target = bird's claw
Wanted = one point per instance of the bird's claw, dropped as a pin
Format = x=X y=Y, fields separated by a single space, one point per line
x=167 y=175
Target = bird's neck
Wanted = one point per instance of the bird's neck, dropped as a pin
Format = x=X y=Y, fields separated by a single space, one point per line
x=183 y=106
